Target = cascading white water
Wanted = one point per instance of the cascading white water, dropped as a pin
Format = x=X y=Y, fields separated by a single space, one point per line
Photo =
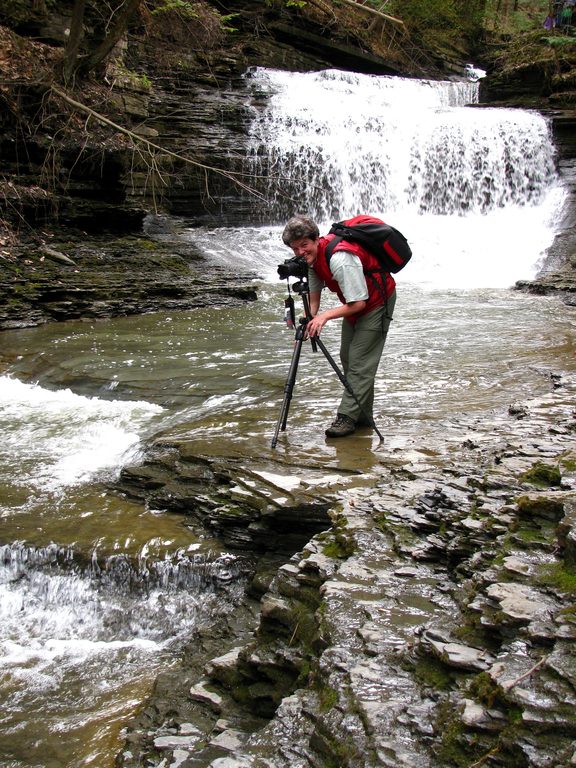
x=335 y=144
x=347 y=143
x=60 y=438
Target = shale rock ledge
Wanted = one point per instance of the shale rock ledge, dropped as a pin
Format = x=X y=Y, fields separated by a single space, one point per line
x=433 y=625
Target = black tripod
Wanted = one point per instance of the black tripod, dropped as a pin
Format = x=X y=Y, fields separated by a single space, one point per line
x=303 y=290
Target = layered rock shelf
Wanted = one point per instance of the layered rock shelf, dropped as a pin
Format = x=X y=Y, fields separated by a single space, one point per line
x=69 y=276
x=431 y=625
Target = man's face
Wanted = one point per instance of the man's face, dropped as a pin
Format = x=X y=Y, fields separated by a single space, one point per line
x=306 y=249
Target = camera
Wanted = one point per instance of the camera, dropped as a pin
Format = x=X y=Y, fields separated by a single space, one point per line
x=294 y=267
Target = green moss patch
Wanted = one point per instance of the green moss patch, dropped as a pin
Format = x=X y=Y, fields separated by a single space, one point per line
x=542 y=475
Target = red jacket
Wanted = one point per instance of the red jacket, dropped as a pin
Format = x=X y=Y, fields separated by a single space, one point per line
x=381 y=285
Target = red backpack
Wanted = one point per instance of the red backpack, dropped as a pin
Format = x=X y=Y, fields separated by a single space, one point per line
x=383 y=241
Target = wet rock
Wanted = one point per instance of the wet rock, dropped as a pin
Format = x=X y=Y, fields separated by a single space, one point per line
x=249 y=510
x=200 y=692
x=478 y=717
x=518 y=411
x=518 y=566
x=540 y=505
x=364 y=648
x=519 y=602
x=111 y=277
x=224 y=669
x=229 y=740
x=457 y=655
x=566 y=533
x=187 y=741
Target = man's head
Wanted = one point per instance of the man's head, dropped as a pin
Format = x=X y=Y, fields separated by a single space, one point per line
x=302 y=234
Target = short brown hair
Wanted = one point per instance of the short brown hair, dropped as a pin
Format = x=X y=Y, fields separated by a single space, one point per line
x=299 y=227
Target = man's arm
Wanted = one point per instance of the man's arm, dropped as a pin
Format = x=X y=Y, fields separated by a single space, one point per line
x=315 y=302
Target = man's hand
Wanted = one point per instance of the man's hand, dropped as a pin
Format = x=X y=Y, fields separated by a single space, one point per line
x=316 y=324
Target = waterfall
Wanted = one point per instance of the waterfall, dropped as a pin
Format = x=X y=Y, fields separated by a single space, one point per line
x=341 y=143
x=420 y=154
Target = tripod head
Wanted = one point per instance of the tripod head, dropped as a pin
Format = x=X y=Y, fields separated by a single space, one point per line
x=301 y=287
x=296 y=267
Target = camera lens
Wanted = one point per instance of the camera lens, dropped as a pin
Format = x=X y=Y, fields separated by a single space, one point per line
x=294 y=267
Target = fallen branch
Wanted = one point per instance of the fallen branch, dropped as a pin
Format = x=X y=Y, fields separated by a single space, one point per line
x=234 y=177
x=508 y=686
x=361 y=7
x=484 y=759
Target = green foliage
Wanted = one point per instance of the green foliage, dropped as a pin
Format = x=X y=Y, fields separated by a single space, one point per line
x=560 y=41
x=431 y=673
x=425 y=14
x=224 y=22
x=182 y=6
x=510 y=18
x=568 y=461
x=327 y=698
x=539 y=507
x=455 y=749
x=189 y=10
x=339 y=548
x=483 y=688
x=341 y=542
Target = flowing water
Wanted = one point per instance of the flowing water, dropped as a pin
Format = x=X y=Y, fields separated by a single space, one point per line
x=98 y=593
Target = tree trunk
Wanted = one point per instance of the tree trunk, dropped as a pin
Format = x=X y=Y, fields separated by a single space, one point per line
x=115 y=33
x=74 y=39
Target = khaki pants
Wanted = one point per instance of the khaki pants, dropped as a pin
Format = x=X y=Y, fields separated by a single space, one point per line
x=361 y=347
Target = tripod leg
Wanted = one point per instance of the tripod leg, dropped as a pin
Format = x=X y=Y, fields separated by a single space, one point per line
x=346 y=384
x=288 y=388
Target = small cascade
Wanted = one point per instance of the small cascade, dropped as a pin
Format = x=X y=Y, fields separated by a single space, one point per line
x=56 y=594
x=59 y=438
x=83 y=638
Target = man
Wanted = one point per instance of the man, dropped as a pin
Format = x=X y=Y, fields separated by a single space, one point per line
x=367 y=296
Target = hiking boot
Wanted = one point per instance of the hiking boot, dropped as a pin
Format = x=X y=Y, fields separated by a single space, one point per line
x=342 y=426
x=363 y=421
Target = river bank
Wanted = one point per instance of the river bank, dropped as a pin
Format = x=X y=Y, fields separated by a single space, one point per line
x=64 y=275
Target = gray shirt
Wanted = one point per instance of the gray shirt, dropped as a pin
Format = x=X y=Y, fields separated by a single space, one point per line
x=347 y=270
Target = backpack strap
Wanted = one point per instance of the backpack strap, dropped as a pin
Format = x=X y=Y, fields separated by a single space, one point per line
x=331 y=246
x=329 y=250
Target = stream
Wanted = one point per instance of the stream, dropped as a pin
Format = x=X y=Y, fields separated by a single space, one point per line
x=99 y=593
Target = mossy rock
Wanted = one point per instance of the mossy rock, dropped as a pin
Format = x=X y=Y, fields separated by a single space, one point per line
x=543 y=475
x=540 y=505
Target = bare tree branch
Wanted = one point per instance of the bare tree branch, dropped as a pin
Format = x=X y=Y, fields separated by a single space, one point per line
x=236 y=178
x=116 y=31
